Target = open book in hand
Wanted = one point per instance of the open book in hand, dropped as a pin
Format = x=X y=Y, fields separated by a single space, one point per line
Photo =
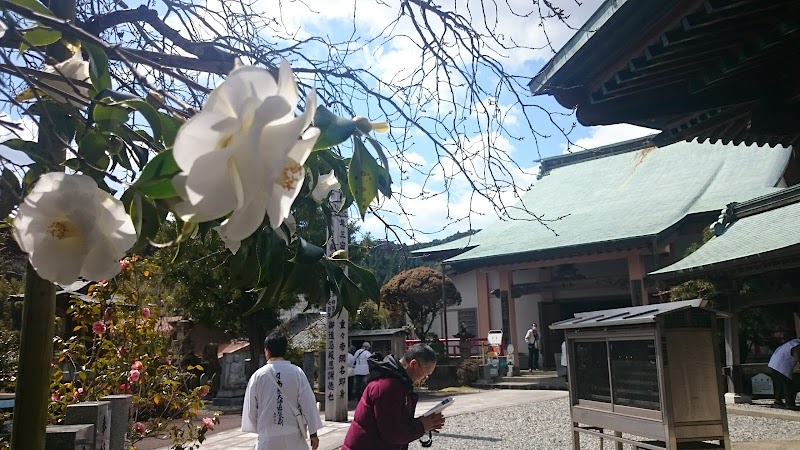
x=439 y=406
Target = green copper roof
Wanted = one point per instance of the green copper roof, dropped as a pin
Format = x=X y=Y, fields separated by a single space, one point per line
x=757 y=235
x=622 y=196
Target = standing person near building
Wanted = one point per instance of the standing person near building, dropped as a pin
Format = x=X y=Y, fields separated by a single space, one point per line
x=279 y=404
x=384 y=418
x=782 y=363
x=351 y=373
x=532 y=338
x=361 y=368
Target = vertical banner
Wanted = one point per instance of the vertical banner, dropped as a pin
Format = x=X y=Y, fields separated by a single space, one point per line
x=337 y=325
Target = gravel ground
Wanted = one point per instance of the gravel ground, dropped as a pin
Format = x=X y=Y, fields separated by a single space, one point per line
x=545 y=426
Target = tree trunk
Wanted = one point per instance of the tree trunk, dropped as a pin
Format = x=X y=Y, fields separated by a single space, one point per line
x=35 y=354
x=39 y=311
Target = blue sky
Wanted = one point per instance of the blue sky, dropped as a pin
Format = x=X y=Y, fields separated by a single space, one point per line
x=456 y=207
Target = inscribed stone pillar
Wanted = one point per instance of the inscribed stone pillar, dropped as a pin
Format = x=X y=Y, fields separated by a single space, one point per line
x=337 y=325
x=120 y=419
x=94 y=413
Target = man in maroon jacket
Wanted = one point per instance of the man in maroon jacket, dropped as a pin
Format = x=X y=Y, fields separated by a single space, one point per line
x=384 y=418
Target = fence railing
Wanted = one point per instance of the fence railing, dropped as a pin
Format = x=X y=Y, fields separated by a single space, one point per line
x=477 y=346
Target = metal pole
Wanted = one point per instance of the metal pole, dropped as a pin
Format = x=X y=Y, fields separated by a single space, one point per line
x=444 y=307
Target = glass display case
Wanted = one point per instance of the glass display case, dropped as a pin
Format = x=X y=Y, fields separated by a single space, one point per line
x=652 y=371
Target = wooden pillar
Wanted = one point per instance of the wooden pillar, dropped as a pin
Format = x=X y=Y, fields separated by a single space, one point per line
x=548 y=345
x=506 y=282
x=484 y=316
x=732 y=356
x=636 y=274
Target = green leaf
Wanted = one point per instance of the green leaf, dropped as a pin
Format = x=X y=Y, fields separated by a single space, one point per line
x=144 y=216
x=169 y=128
x=272 y=256
x=11 y=181
x=333 y=129
x=271 y=292
x=384 y=178
x=92 y=148
x=244 y=267
x=148 y=112
x=155 y=181
x=109 y=117
x=33 y=174
x=98 y=67
x=142 y=155
x=34 y=6
x=363 y=176
x=31 y=149
x=307 y=253
x=350 y=297
x=38 y=37
x=73 y=164
x=10 y=192
x=365 y=280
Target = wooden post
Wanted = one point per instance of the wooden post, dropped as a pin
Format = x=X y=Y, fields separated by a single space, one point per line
x=484 y=315
x=732 y=354
x=506 y=282
x=33 y=373
x=636 y=274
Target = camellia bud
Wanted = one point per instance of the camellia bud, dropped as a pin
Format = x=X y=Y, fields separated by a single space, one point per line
x=365 y=126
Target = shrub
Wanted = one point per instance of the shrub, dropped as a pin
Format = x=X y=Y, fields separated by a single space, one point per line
x=119 y=346
x=468 y=371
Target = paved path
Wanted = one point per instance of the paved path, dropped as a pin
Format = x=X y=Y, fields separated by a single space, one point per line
x=332 y=434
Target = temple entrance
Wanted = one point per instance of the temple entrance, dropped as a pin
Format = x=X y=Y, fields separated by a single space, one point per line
x=551 y=312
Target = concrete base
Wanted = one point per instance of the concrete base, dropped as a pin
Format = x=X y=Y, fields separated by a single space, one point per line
x=732 y=398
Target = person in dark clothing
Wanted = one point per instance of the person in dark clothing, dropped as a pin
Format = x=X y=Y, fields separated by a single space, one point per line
x=384 y=418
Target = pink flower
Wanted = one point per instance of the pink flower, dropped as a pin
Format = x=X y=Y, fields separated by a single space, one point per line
x=124 y=389
x=124 y=264
x=146 y=313
x=78 y=392
x=139 y=427
x=208 y=423
x=103 y=284
x=106 y=314
x=133 y=376
x=55 y=396
x=99 y=327
x=203 y=391
x=138 y=366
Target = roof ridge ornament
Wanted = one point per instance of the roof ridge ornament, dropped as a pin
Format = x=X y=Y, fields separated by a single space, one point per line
x=726 y=218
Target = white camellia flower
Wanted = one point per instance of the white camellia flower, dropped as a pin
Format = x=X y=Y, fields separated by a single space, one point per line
x=70 y=228
x=325 y=184
x=3 y=28
x=241 y=155
x=76 y=69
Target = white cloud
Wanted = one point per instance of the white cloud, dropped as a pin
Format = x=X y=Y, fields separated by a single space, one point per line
x=437 y=205
x=608 y=134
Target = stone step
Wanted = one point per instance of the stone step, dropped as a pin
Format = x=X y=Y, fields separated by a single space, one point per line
x=520 y=385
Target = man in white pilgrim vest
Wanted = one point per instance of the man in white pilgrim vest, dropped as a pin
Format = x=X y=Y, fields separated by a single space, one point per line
x=279 y=404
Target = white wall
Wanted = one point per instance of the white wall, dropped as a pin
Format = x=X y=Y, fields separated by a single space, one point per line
x=466 y=284
x=527 y=306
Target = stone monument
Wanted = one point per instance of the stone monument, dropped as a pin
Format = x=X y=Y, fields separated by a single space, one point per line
x=233 y=383
x=762 y=384
x=464 y=350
